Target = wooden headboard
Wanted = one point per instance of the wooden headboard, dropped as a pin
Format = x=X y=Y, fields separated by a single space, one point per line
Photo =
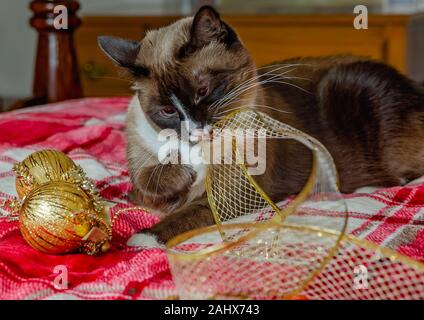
x=268 y=38
x=56 y=74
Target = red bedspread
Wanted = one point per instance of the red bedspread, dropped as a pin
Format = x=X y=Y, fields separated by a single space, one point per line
x=91 y=131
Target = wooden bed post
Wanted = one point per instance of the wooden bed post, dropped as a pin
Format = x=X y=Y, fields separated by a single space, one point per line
x=56 y=75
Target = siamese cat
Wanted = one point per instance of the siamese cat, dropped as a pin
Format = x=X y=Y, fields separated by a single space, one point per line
x=369 y=116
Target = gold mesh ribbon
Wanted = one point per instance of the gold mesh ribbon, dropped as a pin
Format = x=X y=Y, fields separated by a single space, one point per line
x=259 y=249
x=261 y=268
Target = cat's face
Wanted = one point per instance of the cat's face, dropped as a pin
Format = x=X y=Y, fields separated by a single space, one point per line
x=182 y=71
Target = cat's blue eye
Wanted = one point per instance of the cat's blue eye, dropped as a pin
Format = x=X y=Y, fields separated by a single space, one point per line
x=168 y=112
x=202 y=91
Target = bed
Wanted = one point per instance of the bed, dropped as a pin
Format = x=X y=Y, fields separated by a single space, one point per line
x=91 y=132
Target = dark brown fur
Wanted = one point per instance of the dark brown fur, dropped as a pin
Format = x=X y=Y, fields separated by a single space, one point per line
x=369 y=116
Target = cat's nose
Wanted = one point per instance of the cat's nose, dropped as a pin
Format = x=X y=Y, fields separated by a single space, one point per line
x=199 y=134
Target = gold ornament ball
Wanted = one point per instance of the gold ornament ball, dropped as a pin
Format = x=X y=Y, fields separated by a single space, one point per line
x=41 y=167
x=55 y=217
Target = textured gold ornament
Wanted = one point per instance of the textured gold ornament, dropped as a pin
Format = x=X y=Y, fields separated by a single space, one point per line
x=41 y=167
x=61 y=210
x=61 y=217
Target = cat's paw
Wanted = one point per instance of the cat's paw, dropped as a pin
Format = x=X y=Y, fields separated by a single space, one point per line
x=147 y=240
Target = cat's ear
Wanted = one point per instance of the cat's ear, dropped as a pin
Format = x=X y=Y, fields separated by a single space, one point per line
x=207 y=26
x=122 y=52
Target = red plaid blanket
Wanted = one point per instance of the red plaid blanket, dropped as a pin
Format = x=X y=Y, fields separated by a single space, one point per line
x=91 y=132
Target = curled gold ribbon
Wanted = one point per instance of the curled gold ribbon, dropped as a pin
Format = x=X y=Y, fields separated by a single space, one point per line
x=195 y=269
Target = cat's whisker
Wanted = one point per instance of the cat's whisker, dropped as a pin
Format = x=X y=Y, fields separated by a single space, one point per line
x=300 y=78
x=259 y=83
x=140 y=166
x=144 y=161
x=247 y=83
x=215 y=114
x=277 y=67
x=148 y=181
x=235 y=101
x=157 y=183
x=250 y=80
x=258 y=106
x=272 y=80
x=282 y=65
x=289 y=78
x=292 y=85
x=234 y=95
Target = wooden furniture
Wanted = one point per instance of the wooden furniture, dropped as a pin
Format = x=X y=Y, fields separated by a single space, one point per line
x=8 y=103
x=269 y=38
x=56 y=75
